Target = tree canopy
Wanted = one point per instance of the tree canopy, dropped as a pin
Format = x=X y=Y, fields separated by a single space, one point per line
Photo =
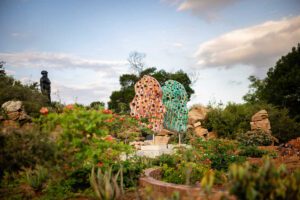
x=119 y=100
x=281 y=87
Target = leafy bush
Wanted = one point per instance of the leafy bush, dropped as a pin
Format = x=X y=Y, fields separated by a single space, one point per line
x=284 y=128
x=220 y=152
x=253 y=151
x=20 y=148
x=235 y=119
x=256 y=137
x=230 y=121
x=266 y=182
x=132 y=168
x=84 y=138
x=184 y=173
x=11 y=89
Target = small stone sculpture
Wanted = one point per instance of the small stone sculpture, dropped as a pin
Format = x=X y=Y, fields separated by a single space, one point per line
x=175 y=99
x=45 y=85
x=147 y=102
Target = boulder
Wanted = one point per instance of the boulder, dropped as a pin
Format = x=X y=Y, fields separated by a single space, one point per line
x=12 y=106
x=201 y=132
x=197 y=124
x=260 y=120
x=197 y=113
x=160 y=140
x=15 y=111
x=164 y=132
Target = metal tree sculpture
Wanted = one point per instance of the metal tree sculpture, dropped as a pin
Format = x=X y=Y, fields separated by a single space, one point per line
x=147 y=102
x=175 y=99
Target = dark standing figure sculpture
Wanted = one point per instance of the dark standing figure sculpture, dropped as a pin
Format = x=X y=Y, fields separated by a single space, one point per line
x=45 y=85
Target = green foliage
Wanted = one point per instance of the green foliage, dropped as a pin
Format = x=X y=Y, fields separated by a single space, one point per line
x=21 y=148
x=37 y=177
x=184 y=173
x=132 y=168
x=256 y=137
x=97 y=105
x=84 y=135
x=220 y=152
x=234 y=120
x=11 y=89
x=105 y=184
x=281 y=87
x=266 y=182
x=79 y=179
x=283 y=127
x=190 y=165
x=119 y=100
x=254 y=151
x=230 y=121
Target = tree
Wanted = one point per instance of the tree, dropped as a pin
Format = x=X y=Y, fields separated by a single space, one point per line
x=119 y=100
x=136 y=61
x=2 y=70
x=281 y=87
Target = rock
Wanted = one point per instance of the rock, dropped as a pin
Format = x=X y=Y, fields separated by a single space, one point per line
x=10 y=124
x=13 y=115
x=197 y=124
x=159 y=140
x=164 y=132
x=260 y=120
x=15 y=111
x=201 y=132
x=12 y=106
x=197 y=113
x=212 y=135
x=24 y=117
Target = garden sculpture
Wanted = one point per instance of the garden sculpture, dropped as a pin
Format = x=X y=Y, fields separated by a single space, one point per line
x=175 y=99
x=147 y=102
x=45 y=85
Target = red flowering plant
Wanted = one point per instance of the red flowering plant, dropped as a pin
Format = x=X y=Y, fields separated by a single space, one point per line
x=86 y=135
x=44 y=111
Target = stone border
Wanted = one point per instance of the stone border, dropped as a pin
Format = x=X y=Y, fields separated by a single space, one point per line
x=160 y=189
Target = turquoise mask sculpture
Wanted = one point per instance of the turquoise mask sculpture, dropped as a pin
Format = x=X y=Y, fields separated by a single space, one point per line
x=175 y=99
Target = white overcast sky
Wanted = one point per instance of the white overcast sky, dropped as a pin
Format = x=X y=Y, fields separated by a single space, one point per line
x=84 y=45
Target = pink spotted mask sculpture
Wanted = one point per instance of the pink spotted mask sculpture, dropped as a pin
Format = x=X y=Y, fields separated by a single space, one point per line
x=147 y=102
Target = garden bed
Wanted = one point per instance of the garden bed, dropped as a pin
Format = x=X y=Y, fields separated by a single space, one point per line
x=160 y=189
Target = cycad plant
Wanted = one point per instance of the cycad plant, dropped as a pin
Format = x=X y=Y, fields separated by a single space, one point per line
x=106 y=185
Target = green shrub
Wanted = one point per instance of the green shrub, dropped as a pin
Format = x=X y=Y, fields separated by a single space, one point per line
x=184 y=173
x=20 y=148
x=36 y=178
x=132 y=168
x=227 y=122
x=266 y=182
x=235 y=119
x=256 y=137
x=220 y=152
x=253 y=151
x=11 y=89
x=283 y=127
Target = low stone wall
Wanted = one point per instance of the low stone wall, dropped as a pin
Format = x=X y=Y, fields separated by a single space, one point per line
x=160 y=189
